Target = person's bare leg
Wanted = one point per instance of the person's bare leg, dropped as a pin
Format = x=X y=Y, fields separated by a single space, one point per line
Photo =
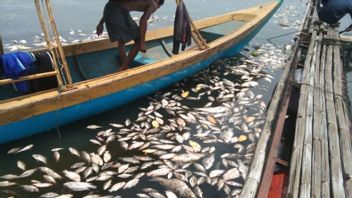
x=131 y=55
x=122 y=51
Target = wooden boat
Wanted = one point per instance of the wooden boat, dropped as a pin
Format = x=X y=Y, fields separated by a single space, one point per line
x=97 y=87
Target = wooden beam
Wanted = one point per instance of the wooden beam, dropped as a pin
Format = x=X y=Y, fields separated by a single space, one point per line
x=25 y=78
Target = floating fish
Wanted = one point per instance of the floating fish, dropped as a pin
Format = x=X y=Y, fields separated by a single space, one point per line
x=79 y=186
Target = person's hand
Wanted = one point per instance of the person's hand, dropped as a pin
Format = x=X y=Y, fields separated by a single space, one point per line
x=100 y=29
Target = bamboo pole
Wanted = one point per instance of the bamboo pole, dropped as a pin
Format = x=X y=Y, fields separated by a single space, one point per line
x=334 y=149
x=317 y=128
x=296 y=159
x=342 y=114
x=47 y=39
x=25 y=78
x=58 y=43
x=202 y=44
x=325 y=168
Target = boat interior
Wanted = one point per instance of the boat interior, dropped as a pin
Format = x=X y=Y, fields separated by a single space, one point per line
x=96 y=59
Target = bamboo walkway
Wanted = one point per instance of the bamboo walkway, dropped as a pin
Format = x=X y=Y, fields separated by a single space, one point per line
x=321 y=162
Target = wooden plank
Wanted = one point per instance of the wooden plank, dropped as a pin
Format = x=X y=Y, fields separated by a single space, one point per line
x=296 y=159
x=25 y=78
x=272 y=157
x=317 y=127
x=334 y=148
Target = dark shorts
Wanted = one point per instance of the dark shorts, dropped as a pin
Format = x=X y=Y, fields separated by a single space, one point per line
x=119 y=23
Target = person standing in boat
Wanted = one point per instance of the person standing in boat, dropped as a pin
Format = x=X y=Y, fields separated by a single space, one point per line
x=331 y=11
x=122 y=28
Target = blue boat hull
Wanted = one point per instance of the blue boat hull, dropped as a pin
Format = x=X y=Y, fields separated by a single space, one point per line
x=54 y=119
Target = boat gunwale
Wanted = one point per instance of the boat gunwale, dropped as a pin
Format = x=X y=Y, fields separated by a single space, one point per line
x=42 y=102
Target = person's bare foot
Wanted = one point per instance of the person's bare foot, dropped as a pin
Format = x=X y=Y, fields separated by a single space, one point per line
x=143 y=48
x=122 y=68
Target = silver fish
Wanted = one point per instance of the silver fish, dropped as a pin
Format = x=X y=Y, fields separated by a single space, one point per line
x=208 y=162
x=74 y=151
x=21 y=165
x=50 y=172
x=49 y=179
x=117 y=186
x=6 y=184
x=49 y=195
x=30 y=188
x=79 y=186
x=26 y=148
x=72 y=175
x=189 y=157
x=28 y=173
x=40 y=158
x=216 y=173
x=131 y=183
x=176 y=186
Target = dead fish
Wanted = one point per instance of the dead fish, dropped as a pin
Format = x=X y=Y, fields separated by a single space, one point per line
x=131 y=183
x=117 y=186
x=170 y=194
x=117 y=125
x=74 y=151
x=26 y=148
x=40 y=158
x=49 y=195
x=159 y=172
x=30 y=188
x=42 y=185
x=49 y=179
x=9 y=177
x=65 y=196
x=50 y=172
x=94 y=141
x=21 y=165
x=86 y=157
x=107 y=184
x=13 y=150
x=56 y=156
x=107 y=156
x=94 y=127
x=72 y=175
x=189 y=157
x=231 y=174
x=28 y=173
x=208 y=162
x=96 y=159
x=6 y=184
x=176 y=186
x=216 y=173
x=79 y=186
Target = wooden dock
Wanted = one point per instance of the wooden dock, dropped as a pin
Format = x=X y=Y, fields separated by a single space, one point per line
x=321 y=159
x=321 y=163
